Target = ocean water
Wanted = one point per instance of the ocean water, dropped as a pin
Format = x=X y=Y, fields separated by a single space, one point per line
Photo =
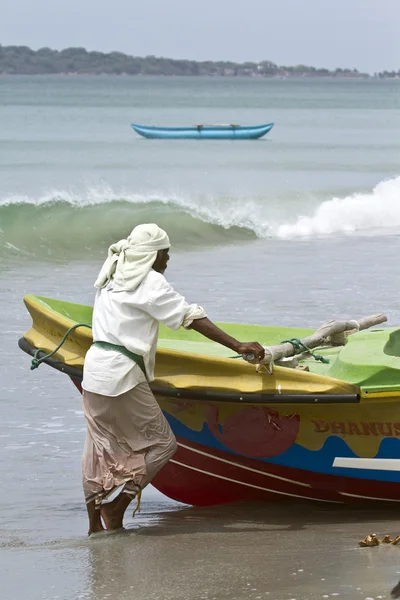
x=297 y=228
x=71 y=166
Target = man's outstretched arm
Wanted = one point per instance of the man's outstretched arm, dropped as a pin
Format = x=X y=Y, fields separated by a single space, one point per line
x=214 y=333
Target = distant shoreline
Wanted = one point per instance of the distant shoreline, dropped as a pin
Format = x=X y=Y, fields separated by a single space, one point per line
x=143 y=76
x=21 y=60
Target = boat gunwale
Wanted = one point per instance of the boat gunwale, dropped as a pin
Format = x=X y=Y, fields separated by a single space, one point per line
x=204 y=394
x=41 y=304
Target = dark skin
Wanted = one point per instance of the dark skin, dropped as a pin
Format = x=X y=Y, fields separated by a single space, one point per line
x=113 y=512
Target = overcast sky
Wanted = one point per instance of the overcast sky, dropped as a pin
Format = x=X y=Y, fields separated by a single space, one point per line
x=362 y=34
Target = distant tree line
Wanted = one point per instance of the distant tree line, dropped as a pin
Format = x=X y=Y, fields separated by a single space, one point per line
x=21 y=60
x=389 y=74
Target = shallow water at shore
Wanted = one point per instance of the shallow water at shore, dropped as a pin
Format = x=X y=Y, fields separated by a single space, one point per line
x=237 y=552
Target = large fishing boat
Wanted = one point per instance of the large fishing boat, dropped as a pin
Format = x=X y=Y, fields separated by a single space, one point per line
x=317 y=421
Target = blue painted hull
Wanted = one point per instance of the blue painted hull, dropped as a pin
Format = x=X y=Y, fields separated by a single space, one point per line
x=203 y=132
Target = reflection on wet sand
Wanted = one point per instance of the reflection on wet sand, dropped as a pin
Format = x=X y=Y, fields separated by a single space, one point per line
x=247 y=551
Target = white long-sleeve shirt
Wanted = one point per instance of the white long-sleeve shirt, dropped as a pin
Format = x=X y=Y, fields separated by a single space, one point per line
x=131 y=319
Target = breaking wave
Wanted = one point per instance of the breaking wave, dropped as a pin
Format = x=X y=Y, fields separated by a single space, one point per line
x=67 y=225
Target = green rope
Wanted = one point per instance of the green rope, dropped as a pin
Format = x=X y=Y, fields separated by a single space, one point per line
x=36 y=362
x=300 y=347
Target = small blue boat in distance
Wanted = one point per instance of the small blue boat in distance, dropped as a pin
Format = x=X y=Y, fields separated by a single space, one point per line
x=204 y=132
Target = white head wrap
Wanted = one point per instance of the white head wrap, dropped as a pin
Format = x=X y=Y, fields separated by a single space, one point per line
x=129 y=261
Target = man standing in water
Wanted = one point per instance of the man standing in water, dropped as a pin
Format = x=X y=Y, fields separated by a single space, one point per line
x=128 y=438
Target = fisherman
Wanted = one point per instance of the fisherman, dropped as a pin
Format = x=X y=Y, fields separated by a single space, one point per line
x=128 y=438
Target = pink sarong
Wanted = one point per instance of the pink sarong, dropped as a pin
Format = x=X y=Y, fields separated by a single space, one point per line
x=128 y=441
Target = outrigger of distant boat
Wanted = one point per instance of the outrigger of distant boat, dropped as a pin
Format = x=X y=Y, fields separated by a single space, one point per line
x=208 y=132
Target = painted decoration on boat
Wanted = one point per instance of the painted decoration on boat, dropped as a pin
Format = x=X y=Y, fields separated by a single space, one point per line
x=255 y=431
x=308 y=426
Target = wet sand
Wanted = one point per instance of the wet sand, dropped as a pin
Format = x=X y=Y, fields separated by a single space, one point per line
x=237 y=552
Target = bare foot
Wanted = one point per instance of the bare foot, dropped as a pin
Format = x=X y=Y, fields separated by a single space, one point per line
x=95 y=524
x=97 y=533
x=113 y=513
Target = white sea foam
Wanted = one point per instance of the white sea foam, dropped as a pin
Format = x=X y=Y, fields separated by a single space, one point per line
x=379 y=209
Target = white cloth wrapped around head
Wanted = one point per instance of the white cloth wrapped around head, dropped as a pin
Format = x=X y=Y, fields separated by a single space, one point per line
x=129 y=261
